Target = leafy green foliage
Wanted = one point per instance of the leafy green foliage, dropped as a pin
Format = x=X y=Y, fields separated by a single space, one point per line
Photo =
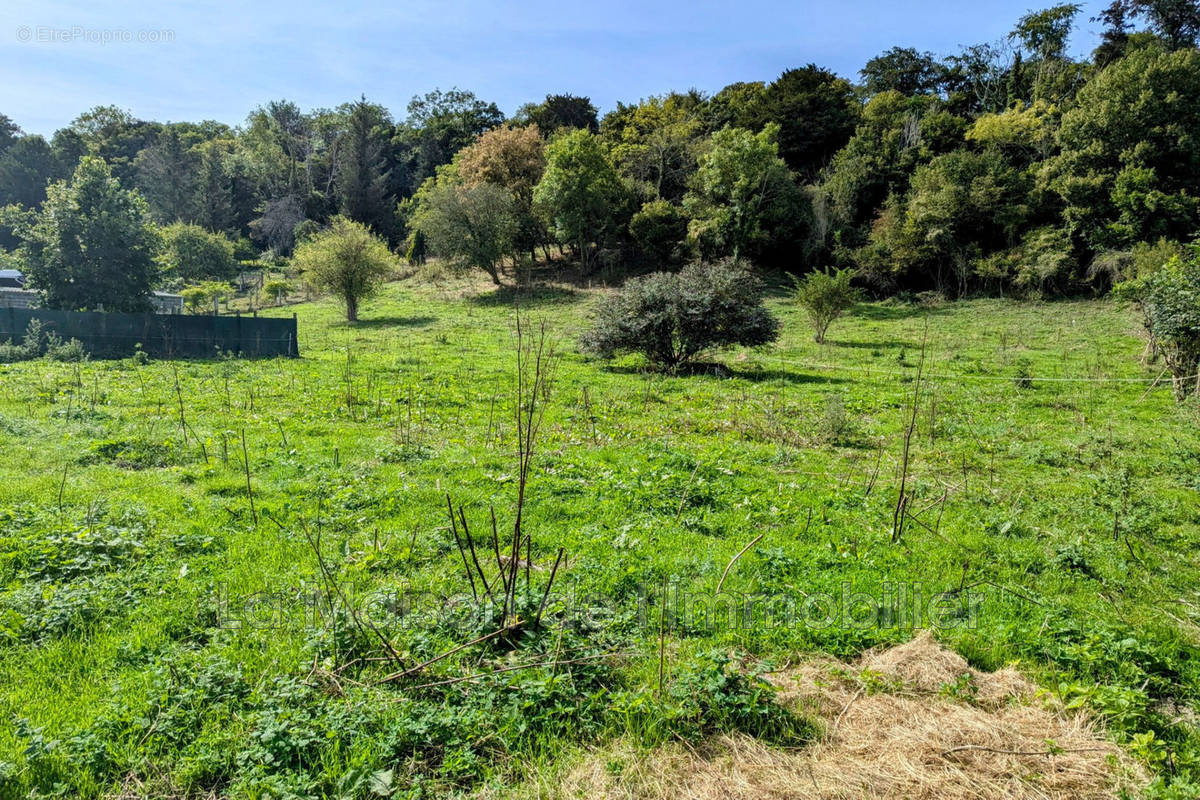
x=816 y=112
x=473 y=225
x=743 y=201
x=713 y=695
x=671 y=318
x=346 y=260
x=825 y=295
x=39 y=342
x=205 y=297
x=26 y=166
x=1171 y=299
x=904 y=70
x=362 y=171
x=660 y=230
x=580 y=195
x=558 y=112
x=1125 y=171
x=191 y=254
x=91 y=245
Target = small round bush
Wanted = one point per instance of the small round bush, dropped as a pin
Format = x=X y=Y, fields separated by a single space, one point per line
x=671 y=318
x=825 y=295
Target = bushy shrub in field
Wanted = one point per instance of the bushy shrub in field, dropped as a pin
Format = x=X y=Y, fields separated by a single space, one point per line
x=277 y=290
x=199 y=299
x=673 y=317
x=1172 y=303
x=348 y=260
x=825 y=295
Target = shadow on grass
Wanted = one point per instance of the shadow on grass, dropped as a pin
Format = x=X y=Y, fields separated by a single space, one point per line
x=763 y=375
x=879 y=345
x=372 y=323
x=527 y=297
x=712 y=369
x=888 y=311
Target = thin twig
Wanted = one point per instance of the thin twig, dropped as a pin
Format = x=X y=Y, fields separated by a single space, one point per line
x=478 y=640
x=842 y=713
x=1054 y=752
x=249 y=489
x=733 y=560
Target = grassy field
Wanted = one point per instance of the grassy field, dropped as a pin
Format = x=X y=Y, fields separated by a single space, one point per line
x=1055 y=496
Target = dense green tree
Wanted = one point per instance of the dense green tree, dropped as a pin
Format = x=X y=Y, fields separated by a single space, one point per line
x=1028 y=134
x=362 y=172
x=580 y=195
x=660 y=229
x=277 y=141
x=214 y=187
x=904 y=70
x=26 y=167
x=743 y=199
x=166 y=177
x=1044 y=33
x=69 y=148
x=895 y=135
x=346 y=260
x=439 y=124
x=977 y=79
x=91 y=246
x=1047 y=73
x=190 y=253
x=559 y=111
x=654 y=143
x=816 y=112
x=1128 y=167
x=474 y=225
x=961 y=206
x=1175 y=22
x=115 y=136
x=738 y=105
x=1170 y=301
x=514 y=160
x=9 y=132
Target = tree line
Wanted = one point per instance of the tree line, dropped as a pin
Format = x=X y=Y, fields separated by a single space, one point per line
x=1008 y=166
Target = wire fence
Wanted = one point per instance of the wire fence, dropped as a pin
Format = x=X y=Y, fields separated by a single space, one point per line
x=881 y=373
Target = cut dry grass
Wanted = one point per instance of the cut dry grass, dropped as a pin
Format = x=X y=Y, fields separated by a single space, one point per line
x=901 y=723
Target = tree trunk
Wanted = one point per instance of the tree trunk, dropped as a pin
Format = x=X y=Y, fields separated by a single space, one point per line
x=352 y=309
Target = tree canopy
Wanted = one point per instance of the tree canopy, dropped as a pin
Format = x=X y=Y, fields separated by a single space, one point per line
x=91 y=247
x=347 y=260
x=1012 y=164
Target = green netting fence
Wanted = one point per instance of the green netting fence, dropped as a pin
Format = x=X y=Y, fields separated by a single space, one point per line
x=107 y=335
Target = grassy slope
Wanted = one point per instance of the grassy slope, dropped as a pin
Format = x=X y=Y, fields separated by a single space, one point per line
x=666 y=479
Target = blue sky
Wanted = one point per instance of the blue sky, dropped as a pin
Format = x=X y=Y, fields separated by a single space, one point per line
x=218 y=60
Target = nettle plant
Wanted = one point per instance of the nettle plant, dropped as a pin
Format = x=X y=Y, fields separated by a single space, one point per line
x=672 y=318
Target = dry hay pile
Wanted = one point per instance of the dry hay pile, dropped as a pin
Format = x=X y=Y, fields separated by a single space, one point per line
x=892 y=730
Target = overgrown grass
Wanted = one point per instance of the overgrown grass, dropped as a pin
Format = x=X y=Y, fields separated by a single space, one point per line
x=1050 y=483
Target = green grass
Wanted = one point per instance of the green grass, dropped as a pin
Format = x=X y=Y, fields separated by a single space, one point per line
x=1071 y=512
